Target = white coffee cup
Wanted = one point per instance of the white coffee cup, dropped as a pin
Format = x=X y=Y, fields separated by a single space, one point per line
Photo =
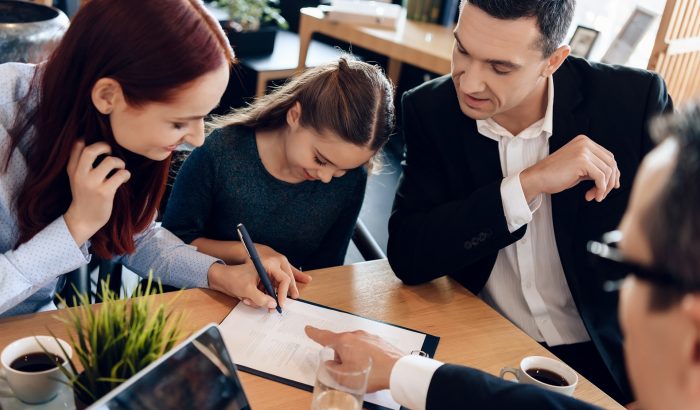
x=545 y=363
x=34 y=387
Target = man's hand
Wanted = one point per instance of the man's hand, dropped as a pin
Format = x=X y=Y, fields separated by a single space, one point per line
x=384 y=355
x=579 y=160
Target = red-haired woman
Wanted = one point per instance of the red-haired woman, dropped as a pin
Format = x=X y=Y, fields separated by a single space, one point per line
x=86 y=140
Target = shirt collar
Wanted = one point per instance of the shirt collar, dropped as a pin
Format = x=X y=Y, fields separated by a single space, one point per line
x=491 y=129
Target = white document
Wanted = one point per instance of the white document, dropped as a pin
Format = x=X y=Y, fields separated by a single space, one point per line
x=276 y=344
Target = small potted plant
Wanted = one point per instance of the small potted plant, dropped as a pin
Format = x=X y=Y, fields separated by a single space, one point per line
x=116 y=339
x=252 y=25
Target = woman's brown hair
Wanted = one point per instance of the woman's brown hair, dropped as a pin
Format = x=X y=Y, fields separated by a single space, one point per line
x=351 y=98
x=152 y=48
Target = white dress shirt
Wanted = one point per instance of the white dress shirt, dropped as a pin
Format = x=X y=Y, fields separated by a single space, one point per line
x=410 y=379
x=527 y=284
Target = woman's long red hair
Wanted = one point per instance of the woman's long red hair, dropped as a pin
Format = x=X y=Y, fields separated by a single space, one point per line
x=152 y=48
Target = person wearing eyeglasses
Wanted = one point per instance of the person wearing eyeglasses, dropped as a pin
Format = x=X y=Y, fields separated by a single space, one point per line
x=653 y=259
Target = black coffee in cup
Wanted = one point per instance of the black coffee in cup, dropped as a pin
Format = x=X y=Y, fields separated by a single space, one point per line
x=36 y=362
x=547 y=377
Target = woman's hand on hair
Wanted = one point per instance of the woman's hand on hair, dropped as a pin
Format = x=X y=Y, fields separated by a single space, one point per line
x=242 y=281
x=93 y=188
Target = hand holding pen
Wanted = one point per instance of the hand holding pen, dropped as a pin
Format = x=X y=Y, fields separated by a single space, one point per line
x=273 y=260
x=284 y=285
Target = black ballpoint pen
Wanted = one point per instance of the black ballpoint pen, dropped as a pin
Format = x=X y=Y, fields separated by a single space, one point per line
x=253 y=253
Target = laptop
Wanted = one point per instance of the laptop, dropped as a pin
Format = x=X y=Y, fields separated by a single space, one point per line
x=196 y=374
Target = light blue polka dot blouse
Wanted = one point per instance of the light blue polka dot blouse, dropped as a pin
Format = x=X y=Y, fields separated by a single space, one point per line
x=29 y=274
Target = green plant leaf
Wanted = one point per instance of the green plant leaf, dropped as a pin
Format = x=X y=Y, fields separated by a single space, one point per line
x=115 y=340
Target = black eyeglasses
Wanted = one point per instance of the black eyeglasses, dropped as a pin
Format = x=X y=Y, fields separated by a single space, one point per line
x=609 y=260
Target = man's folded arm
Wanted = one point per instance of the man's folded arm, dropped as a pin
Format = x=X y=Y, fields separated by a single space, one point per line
x=430 y=233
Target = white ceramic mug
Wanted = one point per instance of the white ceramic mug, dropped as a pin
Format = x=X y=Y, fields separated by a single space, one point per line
x=545 y=363
x=34 y=387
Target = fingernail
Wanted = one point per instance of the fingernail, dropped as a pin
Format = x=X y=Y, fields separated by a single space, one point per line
x=272 y=305
x=246 y=302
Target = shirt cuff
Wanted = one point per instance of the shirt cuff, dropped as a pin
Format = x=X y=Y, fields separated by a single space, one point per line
x=410 y=379
x=515 y=207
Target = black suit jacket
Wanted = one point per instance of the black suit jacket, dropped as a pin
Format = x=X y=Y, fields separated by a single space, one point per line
x=458 y=387
x=448 y=217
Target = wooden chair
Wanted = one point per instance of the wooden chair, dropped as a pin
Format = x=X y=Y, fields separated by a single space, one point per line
x=676 y=52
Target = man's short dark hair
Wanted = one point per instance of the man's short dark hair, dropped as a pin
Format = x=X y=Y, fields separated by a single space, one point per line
x=553 y=17
x=672 y=223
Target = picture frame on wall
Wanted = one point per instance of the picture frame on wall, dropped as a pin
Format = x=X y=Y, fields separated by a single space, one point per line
x=629 y=37
x=582 y=41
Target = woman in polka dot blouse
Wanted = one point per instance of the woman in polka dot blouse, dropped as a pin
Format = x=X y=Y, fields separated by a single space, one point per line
x=85 y=143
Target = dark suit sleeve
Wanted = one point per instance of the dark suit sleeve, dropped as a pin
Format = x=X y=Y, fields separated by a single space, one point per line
x=658 y=102
x=191 y=201
x=430 y=233
x=335 y=243
x=458 y=387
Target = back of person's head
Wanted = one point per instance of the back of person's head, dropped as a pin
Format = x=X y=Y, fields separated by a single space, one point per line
x=553 y=16
x=151 y=48
x=672 y=225
x=348 y=97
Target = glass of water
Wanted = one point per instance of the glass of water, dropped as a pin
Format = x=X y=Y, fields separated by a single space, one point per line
x=341 y=383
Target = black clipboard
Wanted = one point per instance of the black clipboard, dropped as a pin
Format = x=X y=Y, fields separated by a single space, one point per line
x=429 y=347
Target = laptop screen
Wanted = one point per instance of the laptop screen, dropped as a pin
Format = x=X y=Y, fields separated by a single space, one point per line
x=197 y=374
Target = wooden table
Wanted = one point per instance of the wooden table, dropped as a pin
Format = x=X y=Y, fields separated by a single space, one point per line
x=471 y=333
x=425 y=45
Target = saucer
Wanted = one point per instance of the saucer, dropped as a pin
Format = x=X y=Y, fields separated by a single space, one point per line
x=63 y=401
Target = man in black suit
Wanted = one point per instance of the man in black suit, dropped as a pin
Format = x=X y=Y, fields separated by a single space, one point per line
x=659 y=303
x=512 y=164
